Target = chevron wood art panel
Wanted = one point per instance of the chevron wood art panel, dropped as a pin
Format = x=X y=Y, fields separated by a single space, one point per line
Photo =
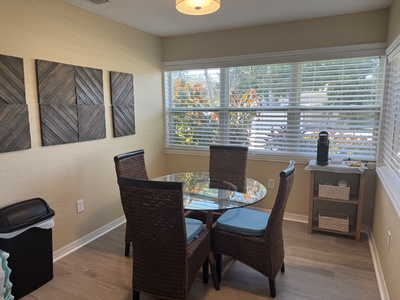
x=14 y=119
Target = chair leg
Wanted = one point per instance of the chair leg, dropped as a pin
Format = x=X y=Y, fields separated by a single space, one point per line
x=283 y=267
x=127 y=248
x=136 y=295
x=272 y=288
x=218 y=264
x=205 y=271
x=214 y=276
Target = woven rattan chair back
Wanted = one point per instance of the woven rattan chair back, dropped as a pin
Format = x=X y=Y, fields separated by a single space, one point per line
x=163 y=263
x=227 y=168
x=262 y=253
x=274 y=245
x=130 y=165
x=228 y=163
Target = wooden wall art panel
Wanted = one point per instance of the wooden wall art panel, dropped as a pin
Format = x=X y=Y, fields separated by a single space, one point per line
x=91 y=125
x=90 y=100
x=59 y=124
x=71 y=103
x=89 y=86
x=14 y=119
x=56 y=83
x=122 y=98
x=124 y=120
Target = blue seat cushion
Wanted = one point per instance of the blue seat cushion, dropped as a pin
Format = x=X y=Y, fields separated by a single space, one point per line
x=193 y=229
x=244 y=221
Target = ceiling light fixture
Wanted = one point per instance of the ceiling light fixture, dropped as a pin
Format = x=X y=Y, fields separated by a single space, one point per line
x=197 y=7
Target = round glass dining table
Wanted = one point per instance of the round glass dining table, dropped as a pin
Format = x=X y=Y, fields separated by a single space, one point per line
x=199 y=193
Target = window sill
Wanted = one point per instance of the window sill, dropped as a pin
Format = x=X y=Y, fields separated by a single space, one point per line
x=251 y=155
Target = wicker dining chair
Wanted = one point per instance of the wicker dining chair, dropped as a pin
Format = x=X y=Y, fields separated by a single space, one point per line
x=228 y=164
x=227 y=169
x=168 y=249
x=255 y=238
x=130 y=165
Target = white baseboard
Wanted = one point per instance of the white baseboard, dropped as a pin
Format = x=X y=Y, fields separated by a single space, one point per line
x=75 y=245
x=378 y=269
x=295 y=218
x=286 y=216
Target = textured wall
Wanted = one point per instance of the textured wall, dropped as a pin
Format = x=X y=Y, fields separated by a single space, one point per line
x=343 y=30
x=54 y=31
x=386 y=218
x=394 y=21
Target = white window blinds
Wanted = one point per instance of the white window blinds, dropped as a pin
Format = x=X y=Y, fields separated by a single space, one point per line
x=278 y=108
x=389 y=161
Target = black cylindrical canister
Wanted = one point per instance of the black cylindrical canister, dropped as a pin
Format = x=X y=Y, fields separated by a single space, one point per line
x=323 y=148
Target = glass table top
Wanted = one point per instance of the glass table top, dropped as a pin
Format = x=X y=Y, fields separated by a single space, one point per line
x=199 y=195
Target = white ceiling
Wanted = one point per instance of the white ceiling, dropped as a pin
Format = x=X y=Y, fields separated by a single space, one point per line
x=159 y=17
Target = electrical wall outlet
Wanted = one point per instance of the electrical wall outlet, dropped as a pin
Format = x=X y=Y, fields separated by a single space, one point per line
x=80 y=207
x=271 y=183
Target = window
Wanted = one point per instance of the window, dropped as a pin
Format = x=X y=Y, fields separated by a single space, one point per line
x=389 y=160
x=278 y=109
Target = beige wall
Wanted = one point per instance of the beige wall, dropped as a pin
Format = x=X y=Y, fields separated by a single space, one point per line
x=351 y=29
x=385 y=216
x=394 y=21
x=54 y=31
x=386 y=219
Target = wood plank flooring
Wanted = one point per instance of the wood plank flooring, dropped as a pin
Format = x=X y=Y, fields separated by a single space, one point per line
x=318 y=266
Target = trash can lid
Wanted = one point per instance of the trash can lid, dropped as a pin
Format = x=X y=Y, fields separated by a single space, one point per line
x=23 y=214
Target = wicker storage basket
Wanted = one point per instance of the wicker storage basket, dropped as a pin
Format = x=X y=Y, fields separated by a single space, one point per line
x=333 y=220
x=332 y=191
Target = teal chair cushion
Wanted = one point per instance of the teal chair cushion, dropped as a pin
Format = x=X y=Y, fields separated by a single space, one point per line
x=244 y=221
x=193 y=229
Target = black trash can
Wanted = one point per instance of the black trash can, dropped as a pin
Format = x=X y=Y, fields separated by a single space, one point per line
x=26 y=234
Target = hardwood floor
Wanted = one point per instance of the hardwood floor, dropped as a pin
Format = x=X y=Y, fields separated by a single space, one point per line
x=318 y=267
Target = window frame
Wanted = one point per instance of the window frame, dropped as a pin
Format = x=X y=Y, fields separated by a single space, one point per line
x=390 y=180
x=343 y=52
